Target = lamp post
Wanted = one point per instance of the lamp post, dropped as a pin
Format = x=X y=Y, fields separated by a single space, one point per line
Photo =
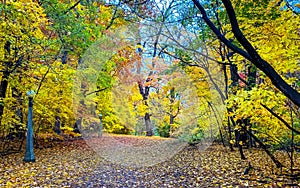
x=100 y=127
x=29 y=154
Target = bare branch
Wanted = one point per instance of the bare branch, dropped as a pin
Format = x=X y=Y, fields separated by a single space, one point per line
x=97 y=91
x=72 y=7
x=280 y=118
x=218 y=33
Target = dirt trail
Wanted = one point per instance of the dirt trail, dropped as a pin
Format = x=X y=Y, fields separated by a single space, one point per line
x=77 y=164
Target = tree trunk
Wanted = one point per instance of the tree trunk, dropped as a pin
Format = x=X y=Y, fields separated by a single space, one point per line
x=264 y=147
x=17 y=108
x=57 y=125
x=234 y=75
x=224 y=68
x=64 y=58
x=145 y=93
x=172 y=100
x=77 y=126
x=252 y=72
x=3 y=89
x=221 y=135
x=237 y=137
x=225 y=80
x=230 y=134
x=4 y=79
x=172 y=119
x=235 y=82
x=148 y=124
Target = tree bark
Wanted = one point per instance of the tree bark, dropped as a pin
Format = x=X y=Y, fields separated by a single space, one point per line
x=145 y=93
x=17 y=108
x=148 y=124
x=234 y=75
x=57 y=125
x=3 y=89
x=172 y=100
x=237 y=138
x=230 y=134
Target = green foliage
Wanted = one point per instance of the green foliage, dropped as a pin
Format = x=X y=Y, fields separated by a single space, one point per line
x=41 y=45
x=196 y=136
x=164 y=131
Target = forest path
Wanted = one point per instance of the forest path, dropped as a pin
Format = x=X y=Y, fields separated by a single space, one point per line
x=78 y=164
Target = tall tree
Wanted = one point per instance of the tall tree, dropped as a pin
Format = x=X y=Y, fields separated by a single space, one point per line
x=249 y=51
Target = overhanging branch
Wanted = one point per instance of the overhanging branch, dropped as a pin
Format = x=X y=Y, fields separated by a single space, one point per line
x=250 y=53
x=280 y=118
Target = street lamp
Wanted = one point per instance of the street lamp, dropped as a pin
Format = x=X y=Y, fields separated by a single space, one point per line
x=29 y=154
x=100 y=127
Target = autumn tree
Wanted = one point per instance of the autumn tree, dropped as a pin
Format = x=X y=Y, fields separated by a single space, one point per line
x=249 y=51
x=22 y=42
x=42 y=44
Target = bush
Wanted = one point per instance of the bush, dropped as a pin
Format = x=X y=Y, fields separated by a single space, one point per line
x=196 y=136
x=164 y=131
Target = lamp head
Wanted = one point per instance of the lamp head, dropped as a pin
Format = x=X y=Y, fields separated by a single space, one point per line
x=30 y=93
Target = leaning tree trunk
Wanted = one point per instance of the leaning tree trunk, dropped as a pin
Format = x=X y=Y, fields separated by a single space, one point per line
x=264 y=147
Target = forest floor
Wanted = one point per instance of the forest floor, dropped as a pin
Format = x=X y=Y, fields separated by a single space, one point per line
x=78 y=164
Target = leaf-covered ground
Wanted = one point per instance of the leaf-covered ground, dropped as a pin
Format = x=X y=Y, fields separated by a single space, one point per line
x=76 y=164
